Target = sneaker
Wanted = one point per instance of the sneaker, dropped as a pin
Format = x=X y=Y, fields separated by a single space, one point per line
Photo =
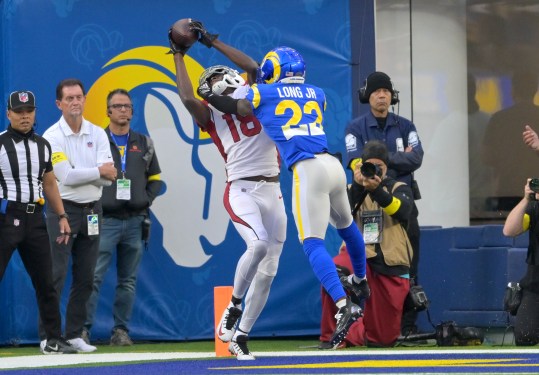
x=346 y=315
x=361 y=289
x=85 y=336
x=238 y=347
x=120 y=338
x=81 y=346
x=58 y=346
x=228 y=323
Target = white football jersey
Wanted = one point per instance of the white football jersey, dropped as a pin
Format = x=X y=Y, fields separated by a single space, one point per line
x=246 y=148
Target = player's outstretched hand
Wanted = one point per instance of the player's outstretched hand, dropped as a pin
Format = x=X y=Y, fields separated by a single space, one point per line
x=175 y=48
x=205 y=37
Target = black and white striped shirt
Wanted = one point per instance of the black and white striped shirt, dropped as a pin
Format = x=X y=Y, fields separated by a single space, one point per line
x=24 y=159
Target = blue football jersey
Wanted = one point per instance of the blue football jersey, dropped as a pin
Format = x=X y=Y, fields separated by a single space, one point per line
x=292 y=116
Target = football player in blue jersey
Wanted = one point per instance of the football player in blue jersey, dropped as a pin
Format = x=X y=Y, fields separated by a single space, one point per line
x=291 y=113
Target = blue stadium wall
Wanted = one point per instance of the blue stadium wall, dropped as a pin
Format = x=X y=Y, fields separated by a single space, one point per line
x=193 y=245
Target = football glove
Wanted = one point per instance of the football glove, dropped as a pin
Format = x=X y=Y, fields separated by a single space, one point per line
x=204 y=91
x=174 y=48
x=205 y=37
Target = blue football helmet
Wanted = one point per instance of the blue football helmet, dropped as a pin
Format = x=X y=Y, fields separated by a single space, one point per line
x=282 y=64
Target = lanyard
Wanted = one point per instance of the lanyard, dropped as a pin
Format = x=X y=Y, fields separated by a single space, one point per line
x=123 y=155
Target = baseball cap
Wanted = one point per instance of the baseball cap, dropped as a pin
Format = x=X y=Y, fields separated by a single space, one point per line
x=21 y=99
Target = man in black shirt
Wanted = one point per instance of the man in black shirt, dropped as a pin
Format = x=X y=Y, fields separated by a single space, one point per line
x=25 y=175
x=125 y=214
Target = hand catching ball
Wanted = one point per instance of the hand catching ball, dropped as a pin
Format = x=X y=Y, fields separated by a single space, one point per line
x=182 y=34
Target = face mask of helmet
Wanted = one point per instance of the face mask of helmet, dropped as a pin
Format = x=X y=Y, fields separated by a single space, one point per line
x=231 y=78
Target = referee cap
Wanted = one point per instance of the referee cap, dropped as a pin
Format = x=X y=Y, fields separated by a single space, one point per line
x=21 y=99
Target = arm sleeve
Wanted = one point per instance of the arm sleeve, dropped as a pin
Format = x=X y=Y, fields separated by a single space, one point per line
x=70 y=176
x=73 y=176
x=224 y=103
x=397 y=204
x=101 y=182
x=104 y=155
x=65 y=172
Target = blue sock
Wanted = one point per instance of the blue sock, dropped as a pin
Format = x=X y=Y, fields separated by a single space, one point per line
x=356 y=248
x=323 y=267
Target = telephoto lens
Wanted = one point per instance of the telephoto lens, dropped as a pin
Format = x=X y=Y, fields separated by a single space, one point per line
x=370 y=170
x=534 y=185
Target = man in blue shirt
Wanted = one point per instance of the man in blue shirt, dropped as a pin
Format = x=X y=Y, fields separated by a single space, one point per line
x=405 y=153
x=291 y=113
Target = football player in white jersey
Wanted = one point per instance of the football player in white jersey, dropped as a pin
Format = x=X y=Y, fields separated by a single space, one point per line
x=252 y=195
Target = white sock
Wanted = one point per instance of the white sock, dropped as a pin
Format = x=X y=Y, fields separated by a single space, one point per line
x=358 y=279
x=239 y=332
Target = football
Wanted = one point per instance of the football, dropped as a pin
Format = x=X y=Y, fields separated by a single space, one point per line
x=182 y=35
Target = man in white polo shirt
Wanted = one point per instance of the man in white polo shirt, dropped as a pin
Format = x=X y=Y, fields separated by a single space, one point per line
x=82 y=162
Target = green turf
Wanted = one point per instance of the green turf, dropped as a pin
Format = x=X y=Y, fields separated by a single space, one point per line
x=256 y=345
x=182 y=346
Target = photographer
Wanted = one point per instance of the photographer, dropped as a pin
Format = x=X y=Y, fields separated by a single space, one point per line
x=381 y=208
x=405 y=156
x=525 y=216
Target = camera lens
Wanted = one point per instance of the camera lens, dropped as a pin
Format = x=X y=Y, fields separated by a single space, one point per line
x=369 y=170
x=534 y=185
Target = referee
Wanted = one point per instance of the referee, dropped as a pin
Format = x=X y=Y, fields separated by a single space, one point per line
x=25 y=175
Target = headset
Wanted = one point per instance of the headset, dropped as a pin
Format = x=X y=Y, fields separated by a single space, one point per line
x=120 y=92
x=363 y=91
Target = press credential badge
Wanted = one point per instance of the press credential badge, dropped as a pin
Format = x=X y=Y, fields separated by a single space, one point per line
x=123 y=189
x=93 y=225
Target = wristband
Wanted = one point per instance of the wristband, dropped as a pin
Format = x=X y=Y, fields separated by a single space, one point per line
x=63 y=216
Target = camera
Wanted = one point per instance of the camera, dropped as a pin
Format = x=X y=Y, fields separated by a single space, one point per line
x=534 y=185
x=370 y=170
x=416 y=299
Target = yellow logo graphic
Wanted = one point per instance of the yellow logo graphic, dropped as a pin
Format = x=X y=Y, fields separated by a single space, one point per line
x=191 y=208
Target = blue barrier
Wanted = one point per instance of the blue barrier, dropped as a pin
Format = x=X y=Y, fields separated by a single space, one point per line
x=464 y=272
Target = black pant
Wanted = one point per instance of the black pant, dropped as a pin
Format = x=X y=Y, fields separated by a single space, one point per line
x=83 y=249
x=527 y=320
x=27 y=233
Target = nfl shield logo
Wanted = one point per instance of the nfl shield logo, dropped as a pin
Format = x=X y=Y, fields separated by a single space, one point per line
x=23 y=97
x=90 y=144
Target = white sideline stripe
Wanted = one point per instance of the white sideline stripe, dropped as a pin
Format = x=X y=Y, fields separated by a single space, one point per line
x=41 y=360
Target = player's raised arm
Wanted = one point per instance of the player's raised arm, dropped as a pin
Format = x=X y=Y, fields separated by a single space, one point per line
x=185 y=89
x=242 y=61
